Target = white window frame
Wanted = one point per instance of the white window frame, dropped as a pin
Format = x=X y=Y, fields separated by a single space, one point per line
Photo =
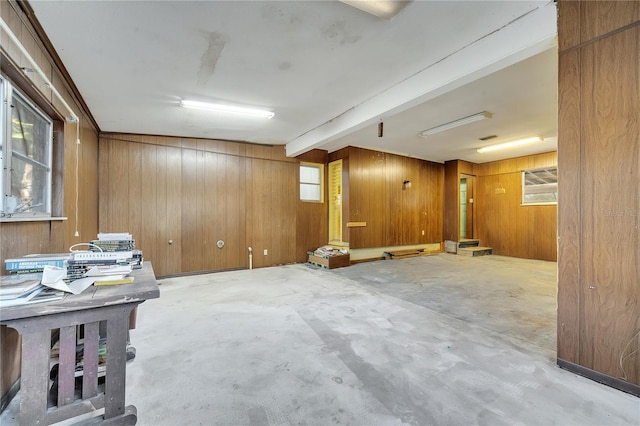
x=10 y=208
x=542 y=181
x=319 y=183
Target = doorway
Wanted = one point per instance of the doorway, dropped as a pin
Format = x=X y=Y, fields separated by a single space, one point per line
x=466 y=209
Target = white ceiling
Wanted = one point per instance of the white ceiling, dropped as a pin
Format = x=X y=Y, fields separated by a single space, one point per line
x=329 y=71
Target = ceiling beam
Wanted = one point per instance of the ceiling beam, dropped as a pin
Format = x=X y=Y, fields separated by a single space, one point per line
x=528 y=35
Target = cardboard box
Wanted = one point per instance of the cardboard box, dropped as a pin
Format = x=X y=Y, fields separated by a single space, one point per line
x=329 y=262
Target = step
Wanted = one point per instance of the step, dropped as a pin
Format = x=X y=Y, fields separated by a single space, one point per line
x=399 y=254
x=468 y=242
x=475 y=251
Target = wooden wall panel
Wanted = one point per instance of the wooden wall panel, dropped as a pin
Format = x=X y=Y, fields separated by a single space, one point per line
x=376 y=195
x=569 y=25
x=372 y=193
x=412 y=199
x=312 y=218
x=601 y=17
x=272 y=193
x=611 y=203
x=569 y=211
x=225 y=221
x=191 y=235
x=172 y=198
x=193 y=193
x=149 y=201
x=599 y=219
x=502 y=222
x=393 y=215
x=451 y=227
x=432 y=189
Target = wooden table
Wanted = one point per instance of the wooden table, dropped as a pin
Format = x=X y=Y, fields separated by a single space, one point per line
x=109 y=305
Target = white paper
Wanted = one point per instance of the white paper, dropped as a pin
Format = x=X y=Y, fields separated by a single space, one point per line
x=109 y=277
x=53 y=277
x=80 y=285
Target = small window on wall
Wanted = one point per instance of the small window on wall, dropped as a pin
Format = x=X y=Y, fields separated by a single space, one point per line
x=25 y=156
x=540 y=186
x=311 y=182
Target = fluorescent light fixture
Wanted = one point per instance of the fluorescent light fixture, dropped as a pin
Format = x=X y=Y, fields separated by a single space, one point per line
x=510 y=144
x=456 y=123
x=386 y=9
x=227 y=108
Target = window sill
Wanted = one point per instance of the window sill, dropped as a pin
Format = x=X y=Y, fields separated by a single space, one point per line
x=30 y=219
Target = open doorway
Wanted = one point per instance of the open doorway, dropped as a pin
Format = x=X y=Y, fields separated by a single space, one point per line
x=466 y=208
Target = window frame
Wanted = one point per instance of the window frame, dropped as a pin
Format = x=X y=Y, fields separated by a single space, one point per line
x=540 y=188
x=9 y=90
x=320 y=184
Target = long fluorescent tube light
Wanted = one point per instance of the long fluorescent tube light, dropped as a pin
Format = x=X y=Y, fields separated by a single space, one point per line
x=456 y=123
x=509 y=144
x=227 y=108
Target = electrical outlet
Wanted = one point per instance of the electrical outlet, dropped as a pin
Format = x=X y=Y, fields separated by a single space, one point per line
x=266 y=252
x=423 y=232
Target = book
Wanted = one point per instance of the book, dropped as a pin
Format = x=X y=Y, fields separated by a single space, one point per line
x=107 y=236
x=12 y=288
x=112 y=245
x=112 y=255
x=35 y=263
x=113 y=281
x=109 y=270
x=39 y=295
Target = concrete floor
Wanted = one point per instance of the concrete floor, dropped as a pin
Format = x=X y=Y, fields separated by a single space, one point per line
x=433 y=340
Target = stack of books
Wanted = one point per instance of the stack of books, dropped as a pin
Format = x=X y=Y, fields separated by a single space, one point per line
x=113 y=242
x=111 y=255
x=111 y=258
x=25 y=289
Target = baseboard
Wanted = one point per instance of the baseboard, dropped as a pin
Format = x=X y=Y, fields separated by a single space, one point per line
x=613 y=382
x=9 y=395
x=187 y=274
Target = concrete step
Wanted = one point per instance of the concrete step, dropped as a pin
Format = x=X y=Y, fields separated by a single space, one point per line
x=475 y=251
x=468 y=242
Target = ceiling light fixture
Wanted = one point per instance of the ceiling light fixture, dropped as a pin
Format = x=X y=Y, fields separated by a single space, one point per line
x=227 y=108
x=510 y=144
x=456 y=123
x=386 y=9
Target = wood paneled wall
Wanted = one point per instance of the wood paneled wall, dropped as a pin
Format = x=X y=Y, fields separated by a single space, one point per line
x=451 y=191
x=20 y=238
x=312 y=218
x=179 y=196
x=511 y=229
x=599 y=216
x=394 y=216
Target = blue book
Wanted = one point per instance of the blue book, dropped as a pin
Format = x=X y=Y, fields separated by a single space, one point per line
x=36 y=262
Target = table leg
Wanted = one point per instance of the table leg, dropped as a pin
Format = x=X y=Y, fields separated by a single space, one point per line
x=117 y=329
x=36 y=350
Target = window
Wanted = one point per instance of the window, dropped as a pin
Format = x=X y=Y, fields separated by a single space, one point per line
x=25 y=156
x=311 y=178
x=540 y=186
